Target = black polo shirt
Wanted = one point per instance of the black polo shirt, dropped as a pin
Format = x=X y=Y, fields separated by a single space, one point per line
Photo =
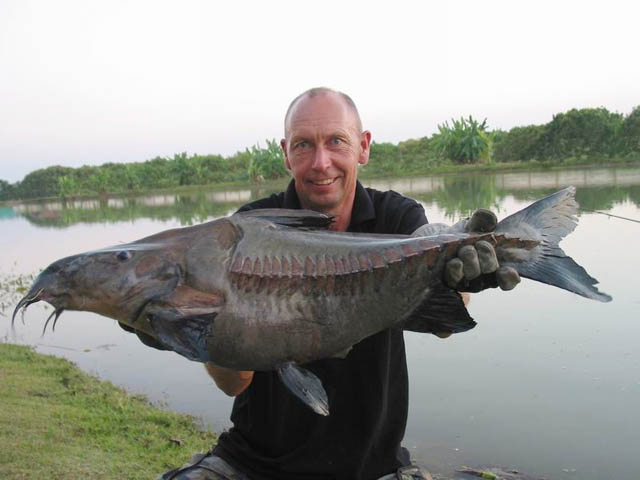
x=274 y=436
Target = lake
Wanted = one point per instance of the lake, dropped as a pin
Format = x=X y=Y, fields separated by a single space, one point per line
x=547 y=383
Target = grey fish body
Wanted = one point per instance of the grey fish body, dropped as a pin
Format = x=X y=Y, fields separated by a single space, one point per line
x=322 y=299
x=296 y=296
x=270 y=289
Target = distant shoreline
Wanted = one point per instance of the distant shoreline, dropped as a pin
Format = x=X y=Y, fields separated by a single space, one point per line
x=577 y=137
x=441 y=170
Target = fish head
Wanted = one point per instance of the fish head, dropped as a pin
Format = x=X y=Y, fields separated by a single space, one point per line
x=115 y=282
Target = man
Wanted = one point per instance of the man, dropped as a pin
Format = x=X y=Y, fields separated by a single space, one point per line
x=274 y=436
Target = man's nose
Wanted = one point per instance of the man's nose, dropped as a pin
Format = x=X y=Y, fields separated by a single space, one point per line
x=321 y=160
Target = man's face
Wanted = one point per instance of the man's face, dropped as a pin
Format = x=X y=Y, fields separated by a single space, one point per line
x=323 y=148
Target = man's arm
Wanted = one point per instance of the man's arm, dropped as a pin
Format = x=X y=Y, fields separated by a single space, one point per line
x=231 y=382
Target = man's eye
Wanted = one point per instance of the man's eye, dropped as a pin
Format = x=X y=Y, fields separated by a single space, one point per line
x=302 y=144
x=336 y=141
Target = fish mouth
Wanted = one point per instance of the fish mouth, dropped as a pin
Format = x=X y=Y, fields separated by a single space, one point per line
x=30 y=299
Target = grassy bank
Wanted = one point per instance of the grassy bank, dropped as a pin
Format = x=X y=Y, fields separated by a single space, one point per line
x=58 y=422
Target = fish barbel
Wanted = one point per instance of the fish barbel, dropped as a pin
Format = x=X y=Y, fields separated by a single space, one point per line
x=274 y=289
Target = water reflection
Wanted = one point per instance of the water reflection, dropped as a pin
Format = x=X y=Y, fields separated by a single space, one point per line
x=599 y=189
x=187 y=208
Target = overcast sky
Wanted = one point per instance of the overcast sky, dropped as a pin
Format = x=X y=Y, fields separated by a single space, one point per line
x=89 y=82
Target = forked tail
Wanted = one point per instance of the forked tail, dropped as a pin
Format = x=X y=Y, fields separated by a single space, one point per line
x=548 y=221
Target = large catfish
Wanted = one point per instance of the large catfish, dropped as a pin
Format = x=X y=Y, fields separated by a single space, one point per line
x=274 y=289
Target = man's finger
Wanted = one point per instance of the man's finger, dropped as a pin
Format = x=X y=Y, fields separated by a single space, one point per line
x=453 y=273
x=471 y=265
x=482 y=220
x=507 y=278
x=487 y=257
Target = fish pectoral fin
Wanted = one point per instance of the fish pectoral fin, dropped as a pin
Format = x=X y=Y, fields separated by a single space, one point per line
x=187 y=336
x=306 y=386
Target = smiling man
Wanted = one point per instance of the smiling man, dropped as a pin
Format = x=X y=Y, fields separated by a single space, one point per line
x=275 y=436
x=323 y=147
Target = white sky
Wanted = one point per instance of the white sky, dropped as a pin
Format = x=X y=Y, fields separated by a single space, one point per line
x=89 y=82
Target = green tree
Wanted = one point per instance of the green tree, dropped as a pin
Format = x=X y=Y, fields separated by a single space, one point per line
x=186 y=170
x=132 y=177
x=43 y=182
x=384 y=159
x=211 y=168
x=629 y=135
x=100 y=181
x=416 y=153
x=238 y=166
x=465 y=141
x=267 y=163
x=68 y=186
x=157 y=173
x=588 y=131
x=520 y=144
x=6 y=190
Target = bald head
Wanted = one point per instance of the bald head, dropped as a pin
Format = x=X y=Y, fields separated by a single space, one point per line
x=317 y=92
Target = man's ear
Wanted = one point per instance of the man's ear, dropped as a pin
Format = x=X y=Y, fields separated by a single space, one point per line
x=283 y=145
x=365 y=144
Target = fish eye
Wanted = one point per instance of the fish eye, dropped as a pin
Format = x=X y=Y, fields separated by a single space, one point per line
x=123 y=255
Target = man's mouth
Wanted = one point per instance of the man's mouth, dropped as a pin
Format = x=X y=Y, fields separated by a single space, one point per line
x=327 y=181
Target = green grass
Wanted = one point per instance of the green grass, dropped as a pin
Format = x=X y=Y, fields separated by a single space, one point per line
x=57 y=422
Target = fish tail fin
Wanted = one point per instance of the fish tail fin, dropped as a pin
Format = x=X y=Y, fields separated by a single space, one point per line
x=548 y=221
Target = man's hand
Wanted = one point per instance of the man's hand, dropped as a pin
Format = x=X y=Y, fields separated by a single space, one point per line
x=476 y=267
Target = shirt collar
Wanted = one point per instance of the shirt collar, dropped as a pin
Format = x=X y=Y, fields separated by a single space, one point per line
x=363 y=209
x=291 y=199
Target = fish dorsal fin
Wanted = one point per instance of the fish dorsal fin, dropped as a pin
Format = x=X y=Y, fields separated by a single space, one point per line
x=306 y=386
x=305 y=219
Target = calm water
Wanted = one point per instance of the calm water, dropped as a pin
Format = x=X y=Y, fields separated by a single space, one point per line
x=548 y=382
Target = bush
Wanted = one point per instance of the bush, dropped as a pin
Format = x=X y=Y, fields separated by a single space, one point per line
x=465 y=141
x=628 y=140
x=43 y=182
x=267 y=163
x=589 y=131
x=384 y=159
x=518 y=144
